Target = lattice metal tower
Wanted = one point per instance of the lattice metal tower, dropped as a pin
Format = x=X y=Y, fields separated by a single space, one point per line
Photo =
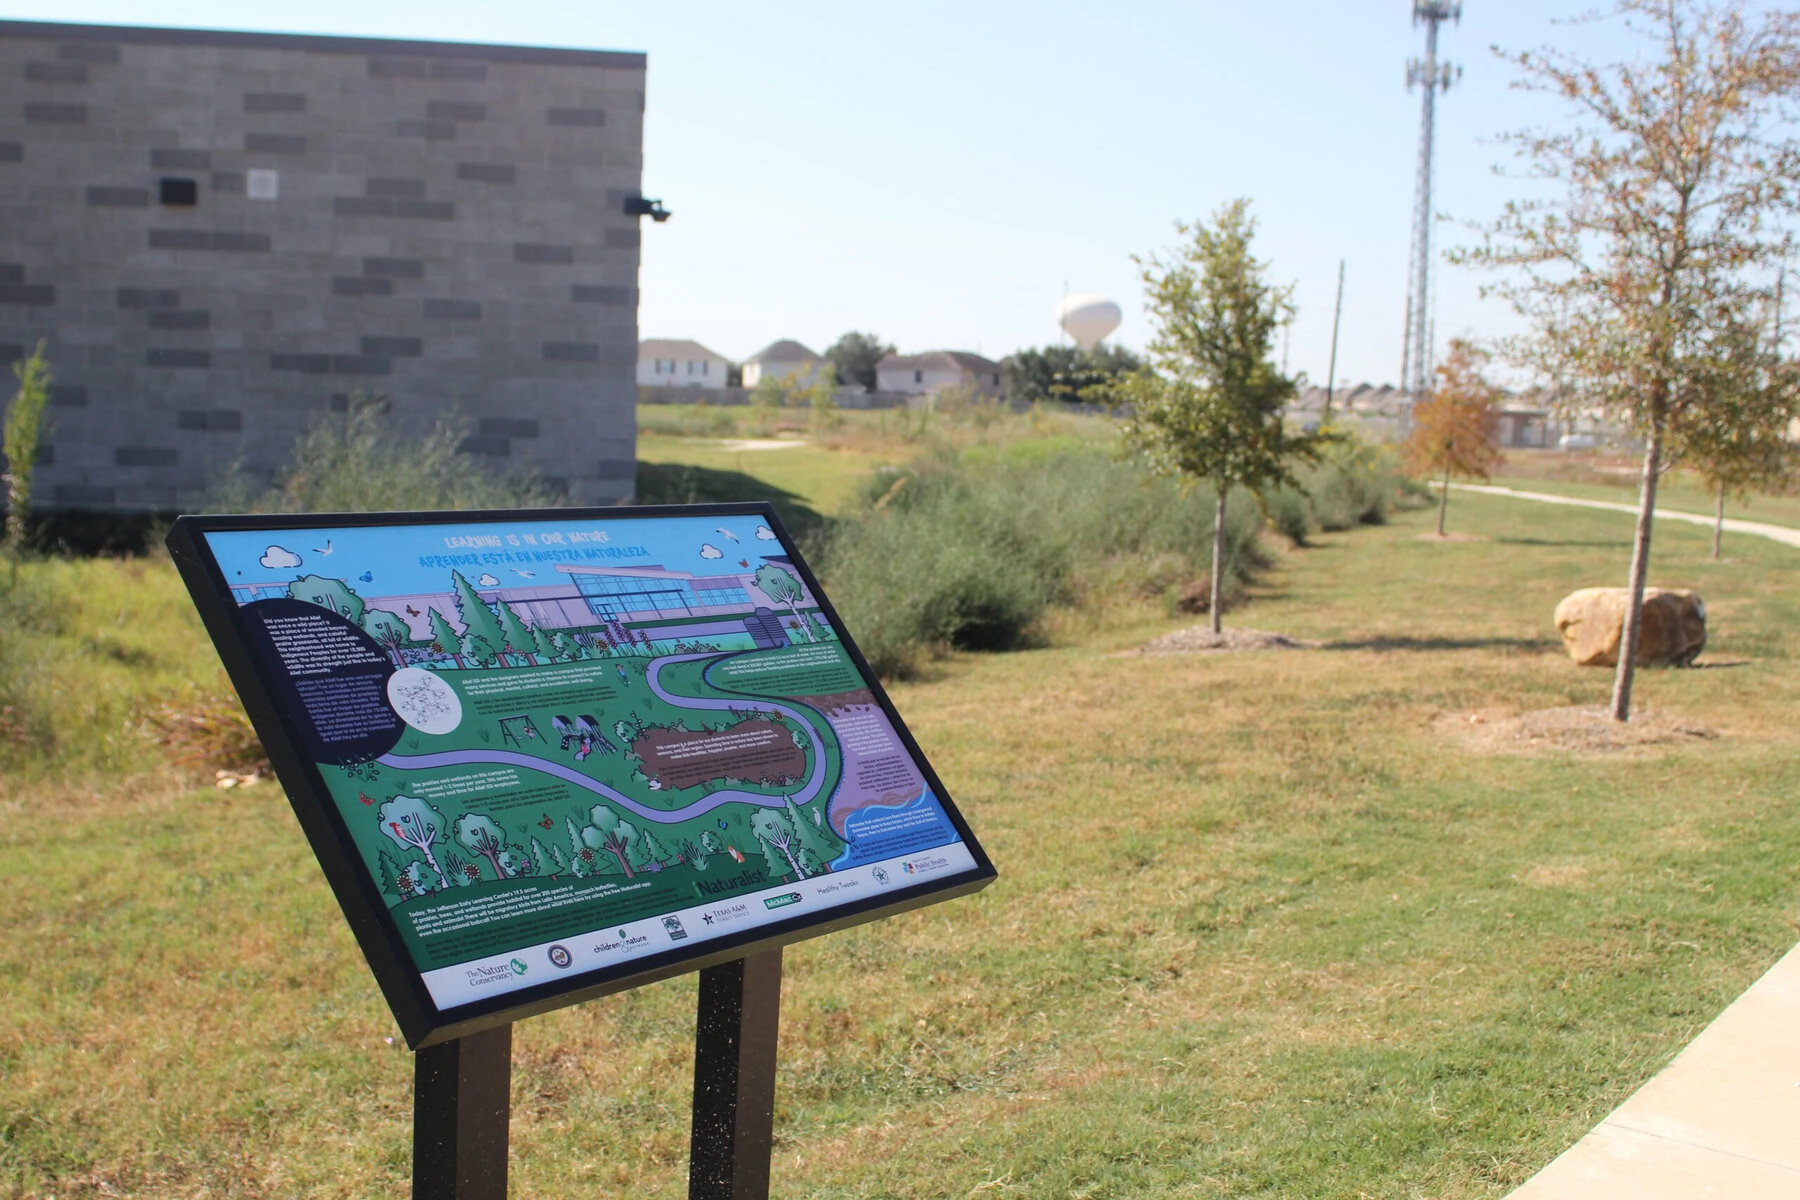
x=1431 y=77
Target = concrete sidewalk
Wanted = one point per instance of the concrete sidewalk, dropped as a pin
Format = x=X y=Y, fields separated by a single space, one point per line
x=1722 y=1120
x=1786 y=535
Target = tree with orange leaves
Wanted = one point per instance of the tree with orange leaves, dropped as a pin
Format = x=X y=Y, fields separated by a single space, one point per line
x=1453 y=432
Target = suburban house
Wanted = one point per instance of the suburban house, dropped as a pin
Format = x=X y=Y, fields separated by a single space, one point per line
x=937 y=370
x=784 y=360
x=679 y=363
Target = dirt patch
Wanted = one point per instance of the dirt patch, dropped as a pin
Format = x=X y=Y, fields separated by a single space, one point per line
x=1198 y=638
x=1570 y=730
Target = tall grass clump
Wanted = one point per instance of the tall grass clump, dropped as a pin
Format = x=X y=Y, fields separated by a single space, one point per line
x=358 y=461
x=969 y=551
x=1354 y=483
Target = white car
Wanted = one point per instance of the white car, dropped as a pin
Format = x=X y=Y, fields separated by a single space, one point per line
x=1577 y=441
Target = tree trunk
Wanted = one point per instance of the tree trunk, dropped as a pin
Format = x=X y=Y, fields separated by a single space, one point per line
x=618 y=852
x=1444 y=500
x=1719 y=523
x=1640 y=569
x=1216 y=601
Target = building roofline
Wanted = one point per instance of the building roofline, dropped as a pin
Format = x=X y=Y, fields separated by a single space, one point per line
x=322 y=44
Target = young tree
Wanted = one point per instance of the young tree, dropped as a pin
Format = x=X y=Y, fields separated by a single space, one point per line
x=481 y=835
x=650 y=850
x=1674 y=173
x=482 y=638
x=1208 y=405
x=783 y=588
x=1453 y=431
x=413 y=823
x=24 y=430
x=855 y=355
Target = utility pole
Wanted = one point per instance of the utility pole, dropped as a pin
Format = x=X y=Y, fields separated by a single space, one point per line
x=1431 y=77
x=1337 y=317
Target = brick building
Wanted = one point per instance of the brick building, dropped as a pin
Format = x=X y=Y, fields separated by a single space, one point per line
x=220 y=236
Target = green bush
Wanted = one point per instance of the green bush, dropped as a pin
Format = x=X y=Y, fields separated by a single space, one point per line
x=970 y=551
x=1356 y=483
x=358 y=462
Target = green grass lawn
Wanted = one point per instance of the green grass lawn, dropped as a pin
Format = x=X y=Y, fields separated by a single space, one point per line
x=1263 y=929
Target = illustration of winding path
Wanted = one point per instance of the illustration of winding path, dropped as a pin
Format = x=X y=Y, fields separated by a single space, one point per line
x=699 y=808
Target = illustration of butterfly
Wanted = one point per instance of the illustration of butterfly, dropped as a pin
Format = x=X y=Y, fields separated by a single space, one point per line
x=367 y=577
x=724 y=824
x=546 y=823
x=366 y=799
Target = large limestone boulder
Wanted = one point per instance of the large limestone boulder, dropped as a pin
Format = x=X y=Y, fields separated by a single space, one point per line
x=1592 y=621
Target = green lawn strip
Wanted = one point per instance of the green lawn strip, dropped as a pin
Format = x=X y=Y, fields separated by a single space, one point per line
x=1681 y=492
x=1262 y=929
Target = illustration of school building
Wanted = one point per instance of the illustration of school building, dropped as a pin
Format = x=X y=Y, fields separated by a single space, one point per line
x=220 y=237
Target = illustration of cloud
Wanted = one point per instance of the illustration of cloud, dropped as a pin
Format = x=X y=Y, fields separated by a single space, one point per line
x=279 y=558
x=765 y=534
x=487 y=580
x=708 y=550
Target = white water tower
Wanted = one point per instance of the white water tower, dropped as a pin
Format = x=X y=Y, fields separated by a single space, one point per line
x=1088 y=318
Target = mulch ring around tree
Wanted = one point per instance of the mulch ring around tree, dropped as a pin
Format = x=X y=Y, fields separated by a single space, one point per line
x=1200 y=638
x=1570 y=730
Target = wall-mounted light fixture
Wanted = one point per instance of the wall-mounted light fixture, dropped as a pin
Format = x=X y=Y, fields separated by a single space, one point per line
x=643 y=206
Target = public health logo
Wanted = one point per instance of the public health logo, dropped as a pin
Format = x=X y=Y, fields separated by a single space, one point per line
x=560 y=958
x=518 y=967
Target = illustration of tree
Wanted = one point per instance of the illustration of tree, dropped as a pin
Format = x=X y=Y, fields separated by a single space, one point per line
x=411 y=822
x=388 y=629
x=651 y=850
x=1677 y=176
x=810 y=836
x=515 y=863
x=560 y=859
x=549 y=648
x=783 y=588
x=519 y=639
x=333 y=594
x=1454 y=431
x=544 y=860
x=770 y=827
x=693 y=855
x=581 y=856
x=613 y=834
x=444 y=638
x=388 y=870
x=710 y=842
x=1208 y=406
x=412 y=882
x=482 y=639
x=462 y=874
x=481 y=835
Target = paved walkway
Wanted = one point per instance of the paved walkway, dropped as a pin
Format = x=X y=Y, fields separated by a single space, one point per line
x=1722 y=1120
x=1780 y=533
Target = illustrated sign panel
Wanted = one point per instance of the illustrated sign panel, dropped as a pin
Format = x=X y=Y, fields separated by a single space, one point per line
x=558 y=744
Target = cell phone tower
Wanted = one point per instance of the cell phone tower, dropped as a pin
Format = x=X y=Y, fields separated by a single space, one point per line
x=1431 y=77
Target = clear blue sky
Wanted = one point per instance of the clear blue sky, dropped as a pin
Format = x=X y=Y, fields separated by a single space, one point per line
x=935 y=172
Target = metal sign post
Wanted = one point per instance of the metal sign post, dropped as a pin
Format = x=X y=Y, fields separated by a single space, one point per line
x=462 y=1106
x=735 y=1033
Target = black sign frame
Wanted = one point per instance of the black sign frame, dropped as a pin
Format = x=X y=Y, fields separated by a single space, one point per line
x=422 y=1022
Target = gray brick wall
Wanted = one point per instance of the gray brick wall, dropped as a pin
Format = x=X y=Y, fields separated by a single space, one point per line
x=447 y=230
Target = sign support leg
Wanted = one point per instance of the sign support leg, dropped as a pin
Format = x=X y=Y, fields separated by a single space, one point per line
x=734 y=1079
x=462 y=1103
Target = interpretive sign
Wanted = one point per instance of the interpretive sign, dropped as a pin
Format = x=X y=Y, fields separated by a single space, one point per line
x=543 y=756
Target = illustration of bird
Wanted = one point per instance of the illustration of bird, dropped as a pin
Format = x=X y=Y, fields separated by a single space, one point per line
x=526 y=574
x=325 y=549
x=411 y=611
x=727 y=533
x=365 y=798
x=724 y=824
x=367 y=577
x=546 y=823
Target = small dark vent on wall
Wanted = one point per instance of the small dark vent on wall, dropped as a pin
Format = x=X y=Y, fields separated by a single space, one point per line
x=174 y=190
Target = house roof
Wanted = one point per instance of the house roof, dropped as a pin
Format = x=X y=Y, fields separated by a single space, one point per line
x=937 y=360
x=785 y=350
x=680 y=348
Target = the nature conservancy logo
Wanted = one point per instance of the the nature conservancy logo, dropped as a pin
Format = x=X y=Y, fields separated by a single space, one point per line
x=560 y=958
x=781 y=901
x=488 y=976
x=519 y=967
